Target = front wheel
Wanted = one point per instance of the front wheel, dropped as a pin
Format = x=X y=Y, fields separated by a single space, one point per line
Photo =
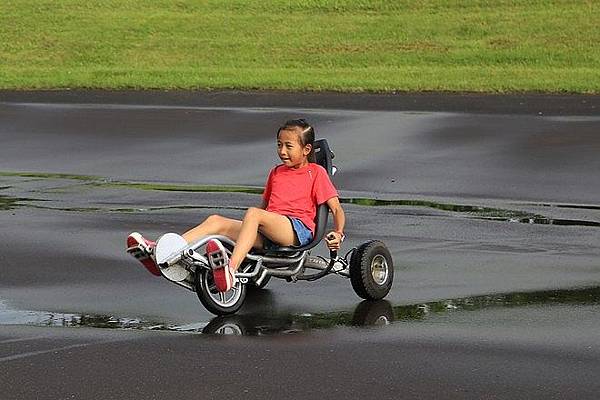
x=371 y=270
x=218 y=303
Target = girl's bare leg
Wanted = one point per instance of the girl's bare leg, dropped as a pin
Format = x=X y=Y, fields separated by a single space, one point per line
x=276 y=227
x=218 y=225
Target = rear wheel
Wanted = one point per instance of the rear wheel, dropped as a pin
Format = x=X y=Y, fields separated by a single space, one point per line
x=371 y=270
x=218 y=303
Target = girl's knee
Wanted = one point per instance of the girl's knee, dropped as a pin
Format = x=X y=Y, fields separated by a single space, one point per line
x=220 y=225
x=215 y=221
x=253 y=213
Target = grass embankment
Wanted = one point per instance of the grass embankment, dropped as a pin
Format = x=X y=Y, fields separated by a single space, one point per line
x=348 y=45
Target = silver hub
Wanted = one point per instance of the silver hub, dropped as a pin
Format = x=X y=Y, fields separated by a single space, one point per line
x=379 y=269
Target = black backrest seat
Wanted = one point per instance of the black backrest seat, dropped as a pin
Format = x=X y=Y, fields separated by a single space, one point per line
x=324 y=157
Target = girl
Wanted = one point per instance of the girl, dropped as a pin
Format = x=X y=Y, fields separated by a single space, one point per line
x=286 y=216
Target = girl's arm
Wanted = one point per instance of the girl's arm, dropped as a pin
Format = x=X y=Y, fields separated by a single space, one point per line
x=339 y=221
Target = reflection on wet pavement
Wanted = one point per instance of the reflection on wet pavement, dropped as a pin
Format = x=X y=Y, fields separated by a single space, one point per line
x=9 y=203
x=538 y=220
x=105 y=182
x=257 y=320
x=470 y=211
x=575 y=206
x=486 y=213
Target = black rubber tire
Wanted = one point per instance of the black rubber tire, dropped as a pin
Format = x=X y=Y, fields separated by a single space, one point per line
x=361 y=277
x=204 y=283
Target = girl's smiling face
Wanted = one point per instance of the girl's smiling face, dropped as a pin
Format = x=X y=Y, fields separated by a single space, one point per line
x=290 y=149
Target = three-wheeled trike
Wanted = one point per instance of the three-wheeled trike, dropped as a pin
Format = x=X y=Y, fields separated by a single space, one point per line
x=369 y=266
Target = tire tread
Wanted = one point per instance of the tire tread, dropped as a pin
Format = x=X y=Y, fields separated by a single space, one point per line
x=360 y=277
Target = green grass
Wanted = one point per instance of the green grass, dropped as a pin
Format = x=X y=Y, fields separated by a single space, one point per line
x=345 y=45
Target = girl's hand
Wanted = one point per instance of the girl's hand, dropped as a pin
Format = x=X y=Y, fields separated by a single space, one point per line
x=334 y=240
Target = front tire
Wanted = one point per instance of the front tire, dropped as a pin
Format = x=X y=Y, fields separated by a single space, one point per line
x=371 y=270
x=216 y=302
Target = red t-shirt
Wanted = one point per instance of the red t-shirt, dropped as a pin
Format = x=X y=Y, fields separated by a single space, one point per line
x=297 y=192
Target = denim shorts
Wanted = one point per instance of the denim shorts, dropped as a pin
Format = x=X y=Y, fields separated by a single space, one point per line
x=303 y=234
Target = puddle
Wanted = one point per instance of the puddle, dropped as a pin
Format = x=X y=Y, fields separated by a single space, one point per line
x=459 y=208
x=185 y=188
x=259 y=322
x=381 y=313
x=177 y=207
x=52 y=319
x=98 y=181
x=574 y=206
x=471 y=211
x=486 y=213
x=545 y=221
x=135 y=210
x=50 y=175
x=10 y=203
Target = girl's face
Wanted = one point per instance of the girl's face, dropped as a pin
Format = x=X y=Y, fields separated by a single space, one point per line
x=290 y=149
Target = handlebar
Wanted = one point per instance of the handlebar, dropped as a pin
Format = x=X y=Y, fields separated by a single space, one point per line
x=332 y=253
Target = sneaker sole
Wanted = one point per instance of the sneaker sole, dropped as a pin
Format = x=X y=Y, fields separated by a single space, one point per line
x=219 y=262
x=138 y=248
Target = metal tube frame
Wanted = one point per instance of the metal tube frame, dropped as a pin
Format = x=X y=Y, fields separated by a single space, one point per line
x=279 y=267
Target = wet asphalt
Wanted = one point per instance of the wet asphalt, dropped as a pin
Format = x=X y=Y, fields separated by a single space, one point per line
x=489 y=205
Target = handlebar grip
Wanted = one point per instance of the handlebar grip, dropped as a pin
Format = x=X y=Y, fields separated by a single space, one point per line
x=332 y=253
